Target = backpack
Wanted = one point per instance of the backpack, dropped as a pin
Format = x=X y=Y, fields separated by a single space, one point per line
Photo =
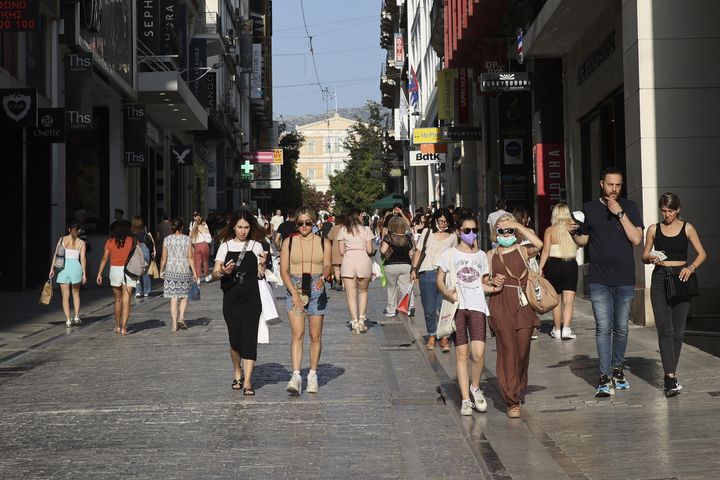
x=135 y=265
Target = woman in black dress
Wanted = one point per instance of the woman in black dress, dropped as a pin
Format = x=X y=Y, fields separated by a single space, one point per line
x=239 y=262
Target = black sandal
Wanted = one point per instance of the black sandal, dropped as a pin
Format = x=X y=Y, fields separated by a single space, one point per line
x=249 y=391
x=237 y=384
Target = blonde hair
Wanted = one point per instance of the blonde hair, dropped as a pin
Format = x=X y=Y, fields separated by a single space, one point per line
x=504 y=216
x=306 y=211
x=560 y=219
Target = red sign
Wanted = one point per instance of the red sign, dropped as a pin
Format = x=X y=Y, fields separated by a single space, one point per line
x=399 y=50
x=264 y=156
x=550 y=158
x=19 y=15
x=463 y=96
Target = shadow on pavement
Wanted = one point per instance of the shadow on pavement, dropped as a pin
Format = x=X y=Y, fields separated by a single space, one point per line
x=582 y=366
x=145 y=325
x=648 y=369
x=198 y=322
x=274 y=373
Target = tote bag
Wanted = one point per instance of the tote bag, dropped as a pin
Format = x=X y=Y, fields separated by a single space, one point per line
x=446 y=320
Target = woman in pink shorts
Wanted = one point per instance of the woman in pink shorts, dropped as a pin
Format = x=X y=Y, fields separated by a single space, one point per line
x=356 y=247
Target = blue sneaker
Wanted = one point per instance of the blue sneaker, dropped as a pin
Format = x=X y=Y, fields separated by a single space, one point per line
x=619 y=379
x=606 y=387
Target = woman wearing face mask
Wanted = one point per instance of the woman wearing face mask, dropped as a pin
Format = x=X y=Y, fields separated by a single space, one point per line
x=472 y=281
x=433 y=242
x=513 y=320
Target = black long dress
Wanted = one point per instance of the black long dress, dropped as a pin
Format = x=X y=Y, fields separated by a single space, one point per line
x=242 y=305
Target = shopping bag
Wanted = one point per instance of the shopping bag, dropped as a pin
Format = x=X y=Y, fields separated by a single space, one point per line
x=194 y=294
x=376 y=272
x=47 y=293
x=446 y=319
x=153 y=269
x=404 y=305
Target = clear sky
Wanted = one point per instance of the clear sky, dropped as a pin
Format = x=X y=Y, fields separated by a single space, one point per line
x=346 y=40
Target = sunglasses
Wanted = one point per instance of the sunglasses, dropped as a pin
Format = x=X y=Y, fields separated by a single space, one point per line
x=468 y=230
x=306 y=223
x=502 y=231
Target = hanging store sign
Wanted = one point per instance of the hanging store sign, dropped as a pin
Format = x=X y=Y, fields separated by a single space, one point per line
x=19 y=16
x=50 y=126
x=267 y=171
x=270 y=184
x=78 y=91
x=197 y=62
x=19 y=107
x=550 y=168
x=426 y=135
x=256 y=73
x=452 y=134
x=505 y=82
x=265 y=156
x=134 y=127
x=210 y=98
x=399 y=59
x=148 y=25
x=182 y=155
x=278 y=158
x=446 y=94
x=420 y=159
x=169 y=18
x=463 y=96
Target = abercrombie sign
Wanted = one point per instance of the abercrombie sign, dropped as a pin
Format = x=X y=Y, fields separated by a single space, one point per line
x=78 y=91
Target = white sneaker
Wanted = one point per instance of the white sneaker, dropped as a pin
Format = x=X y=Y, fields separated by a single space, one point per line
x=478 y=399
x=466 y=408
x=567 y=333
x=68 y=323
x=208 y=278
x=312 y=383
x=77 y=321
x=294 y=386
x=556 y=334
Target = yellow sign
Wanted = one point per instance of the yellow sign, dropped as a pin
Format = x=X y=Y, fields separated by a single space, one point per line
x=446 y=94
x=278 y=156
x=426 y=135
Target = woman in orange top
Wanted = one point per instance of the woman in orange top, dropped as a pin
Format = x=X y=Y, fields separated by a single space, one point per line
x=117 y=250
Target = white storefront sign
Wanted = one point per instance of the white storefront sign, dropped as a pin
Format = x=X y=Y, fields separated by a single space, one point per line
x=421 y=159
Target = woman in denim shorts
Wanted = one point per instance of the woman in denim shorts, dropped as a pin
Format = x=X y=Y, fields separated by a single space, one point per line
x=305 y=264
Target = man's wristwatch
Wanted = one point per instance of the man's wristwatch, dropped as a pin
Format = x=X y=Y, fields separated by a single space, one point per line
x=620 y=214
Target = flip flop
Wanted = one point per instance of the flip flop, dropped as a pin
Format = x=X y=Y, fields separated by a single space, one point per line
x=249 y=391
x=237 y=384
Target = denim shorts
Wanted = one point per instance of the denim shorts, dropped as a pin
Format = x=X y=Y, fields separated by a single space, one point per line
x=318 y=297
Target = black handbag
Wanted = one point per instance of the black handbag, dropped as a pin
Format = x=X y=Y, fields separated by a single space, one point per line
x=676 y=288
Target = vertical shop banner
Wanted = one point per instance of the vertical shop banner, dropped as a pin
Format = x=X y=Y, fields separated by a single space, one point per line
x=463 y=96
x=446 y=94
x=256 y=74
x=50 y=126
x=197 y=62
x=134 y=126
x=182 y=38
x=399 y=59
x=550 y=168
x=148 y=24
x=78 y=91
x=169 y=20
x=19 y=16
x=182 y=155
x=19 y=107
x=210 y=99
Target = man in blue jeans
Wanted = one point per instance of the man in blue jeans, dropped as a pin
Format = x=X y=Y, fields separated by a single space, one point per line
x=612 y=227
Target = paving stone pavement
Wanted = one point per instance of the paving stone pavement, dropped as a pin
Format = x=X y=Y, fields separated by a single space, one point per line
x=90 y=404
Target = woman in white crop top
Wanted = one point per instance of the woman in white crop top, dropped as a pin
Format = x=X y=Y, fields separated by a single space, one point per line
x=73 y=273
x=201 y=240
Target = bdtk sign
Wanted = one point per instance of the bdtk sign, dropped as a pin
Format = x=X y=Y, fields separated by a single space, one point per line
x=420 y=159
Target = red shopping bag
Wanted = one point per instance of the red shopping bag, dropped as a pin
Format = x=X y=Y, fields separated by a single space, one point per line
x=404 y=305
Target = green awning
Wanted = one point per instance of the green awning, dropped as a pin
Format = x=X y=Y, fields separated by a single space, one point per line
x=390 y=200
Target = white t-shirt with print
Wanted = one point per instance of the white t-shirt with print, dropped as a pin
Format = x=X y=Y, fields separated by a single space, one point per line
x=235 y=246
x=469 y=270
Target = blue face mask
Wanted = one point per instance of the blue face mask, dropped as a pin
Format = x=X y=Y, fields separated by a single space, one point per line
x=507 y=241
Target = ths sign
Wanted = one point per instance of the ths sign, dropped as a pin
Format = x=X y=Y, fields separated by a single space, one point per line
x=18 y=107
x=505 y=82
x=78 y=91
x=50 y=126
x=134 y=124
x=19 y=16
x=420 y=159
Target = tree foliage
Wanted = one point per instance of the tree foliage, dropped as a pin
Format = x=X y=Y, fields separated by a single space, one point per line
x=361 y=183
x=311 y=197
x=291 y=194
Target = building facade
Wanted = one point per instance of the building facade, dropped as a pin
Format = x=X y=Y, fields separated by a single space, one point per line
x=323 y=152
x=141 y=105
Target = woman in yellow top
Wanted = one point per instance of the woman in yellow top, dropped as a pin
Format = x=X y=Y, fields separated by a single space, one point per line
x=305 y=264
x=559 y=266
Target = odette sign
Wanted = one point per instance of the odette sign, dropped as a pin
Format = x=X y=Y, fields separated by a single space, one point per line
x=420 y=159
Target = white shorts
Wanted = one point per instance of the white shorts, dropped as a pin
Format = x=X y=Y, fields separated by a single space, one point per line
x=117 y=273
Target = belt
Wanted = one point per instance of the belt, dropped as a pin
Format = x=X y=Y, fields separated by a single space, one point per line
x=562 y=259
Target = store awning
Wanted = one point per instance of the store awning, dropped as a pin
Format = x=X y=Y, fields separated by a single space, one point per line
x=170 y=102
x=390 y=200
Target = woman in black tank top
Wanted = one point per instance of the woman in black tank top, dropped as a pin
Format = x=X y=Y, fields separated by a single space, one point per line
x=671 y=237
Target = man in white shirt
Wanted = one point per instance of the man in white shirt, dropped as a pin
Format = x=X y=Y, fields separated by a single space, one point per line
x=276 y=220
x=492 y=218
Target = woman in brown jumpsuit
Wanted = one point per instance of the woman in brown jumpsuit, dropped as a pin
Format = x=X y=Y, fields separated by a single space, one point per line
x=512 y=320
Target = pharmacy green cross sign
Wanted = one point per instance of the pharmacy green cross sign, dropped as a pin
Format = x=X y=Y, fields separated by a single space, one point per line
x=246 y=171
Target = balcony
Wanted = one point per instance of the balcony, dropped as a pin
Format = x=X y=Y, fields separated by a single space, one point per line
x=208 y=25
x=437 y=28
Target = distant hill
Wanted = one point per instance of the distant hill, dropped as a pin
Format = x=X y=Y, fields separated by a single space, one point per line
x=352 y=112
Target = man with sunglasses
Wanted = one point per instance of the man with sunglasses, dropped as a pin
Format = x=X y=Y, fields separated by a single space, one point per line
x=612 y=227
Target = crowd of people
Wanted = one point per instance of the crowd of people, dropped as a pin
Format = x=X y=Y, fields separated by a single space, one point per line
x=438 y=250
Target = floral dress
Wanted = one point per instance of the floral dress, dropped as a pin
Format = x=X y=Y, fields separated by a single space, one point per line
x=178 y=274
